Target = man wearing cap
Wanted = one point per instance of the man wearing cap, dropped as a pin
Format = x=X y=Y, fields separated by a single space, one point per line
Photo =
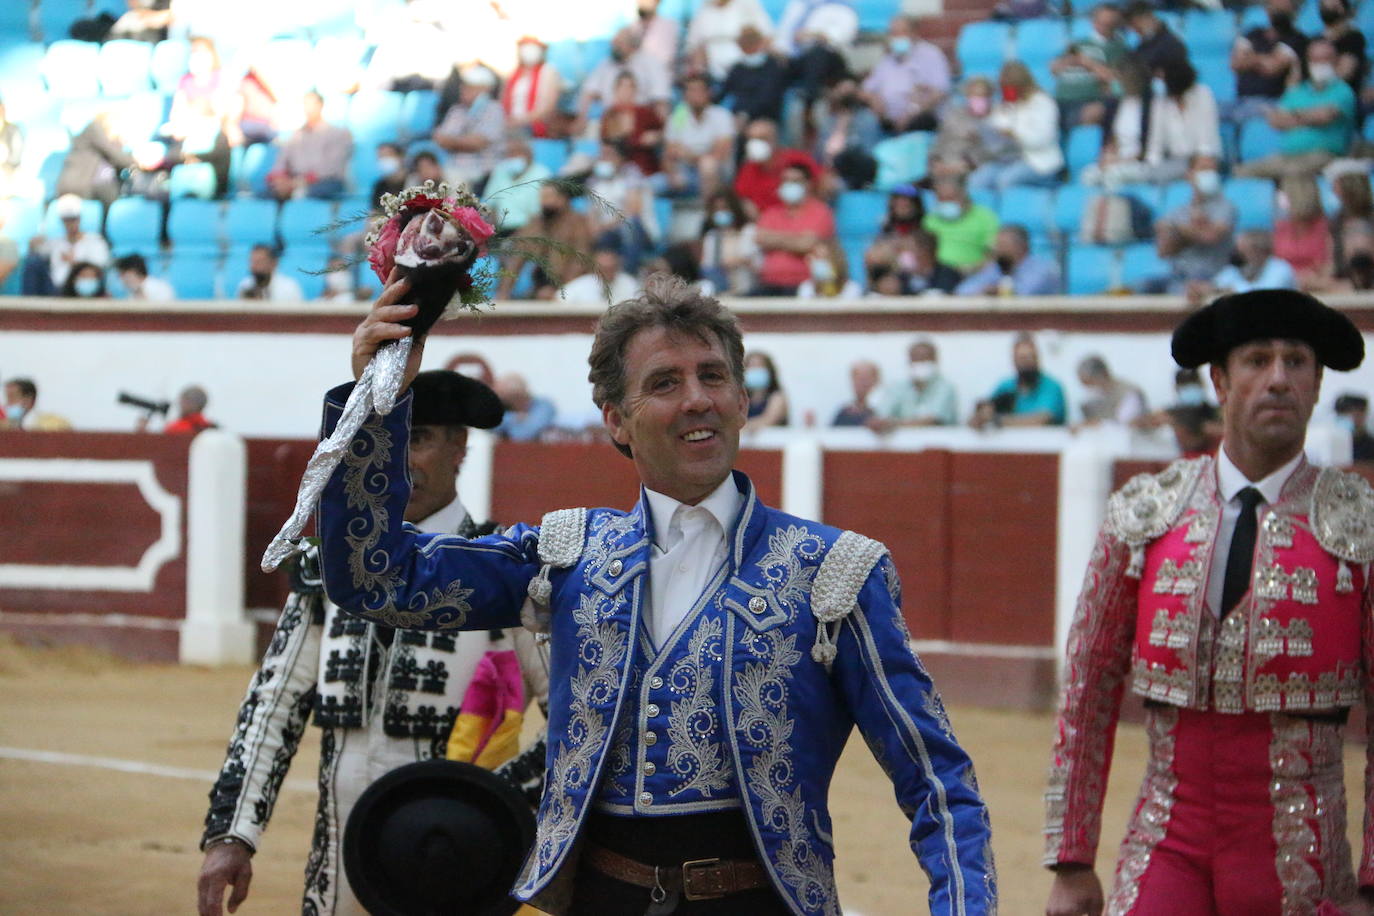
x=709 y=655
x=383 y=698
x=74 y=245
x=1232 y=594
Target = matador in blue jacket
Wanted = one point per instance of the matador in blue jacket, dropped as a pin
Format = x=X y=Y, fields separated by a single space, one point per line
x=709 y=655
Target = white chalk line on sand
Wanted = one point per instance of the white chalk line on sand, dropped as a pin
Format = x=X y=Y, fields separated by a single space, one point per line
x=137 y=767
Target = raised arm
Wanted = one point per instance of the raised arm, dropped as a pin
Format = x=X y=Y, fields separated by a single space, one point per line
x=901 y=717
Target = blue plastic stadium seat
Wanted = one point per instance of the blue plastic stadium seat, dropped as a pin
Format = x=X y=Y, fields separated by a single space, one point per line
x=143 y=114
x=982 y=46
x=24 y=221
x=860 y=213
x=168 y=63
x=1031 y=207
x=1083 y=145
x=1068 y=208
x=50 y=170
x=124 y=67
x=21 y=81
x=55 y=17
x=362 y=168
x=1257 y=140
x=192 y=179
x=1254 y=16
x=258 y=160
x=1216 y=75
x=1208 y=33
x=194 y=225
x=248 y=221
x=417 y=113
x=987 y=198
x=70 y=67
x=1039 y=41
x=337 y=61
x=594 y=51
x=306 y=222
x=375 y=116
x=133 y=222
x=903 y=158
x=874 y=15
x=1092 y=269
x=192 y=274
x=1141 y=262
x=1176 y=194
x=854 y=249
x=566 y=57
x=1364 y=19
x=550 y=153
x=302 y=265
x=92 y=212
x=1254 y=200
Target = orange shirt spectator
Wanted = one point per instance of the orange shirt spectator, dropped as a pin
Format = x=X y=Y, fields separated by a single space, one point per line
x=790 y=233
x=764 y=162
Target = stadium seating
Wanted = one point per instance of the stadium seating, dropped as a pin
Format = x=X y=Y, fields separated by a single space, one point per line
x=306 y=223
x=1093 y=269
x=304 y=265
x=192 y=179
x=1141 y=262
x=859 y=213
x=55 y=17
x=70 y=69
x=124 y=67
x=418 y=114
x=194 y=225
x=249 y=221
x=550 y=153
x=1030 y=207
x=168 y=64
x=1083 y=145
x=981 y=46
x=133 y=222
x=375 y=116
x=903 y=158
x=1257 y=139
x=192 y=275
x=92 y=214
x=1208 y=33
x=1254 y=200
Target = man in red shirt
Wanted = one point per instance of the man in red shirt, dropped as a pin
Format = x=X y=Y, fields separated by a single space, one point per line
x=764 y=161
x=190 y=403
x=792 y=233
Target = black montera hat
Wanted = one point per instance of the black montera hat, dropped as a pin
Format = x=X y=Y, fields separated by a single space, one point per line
x=446 y=398
x=437 y=837
x=1210 y=333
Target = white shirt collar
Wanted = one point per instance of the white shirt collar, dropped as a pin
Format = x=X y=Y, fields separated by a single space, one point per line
x=723 y=504
x=1231 y=480
x=444 y=521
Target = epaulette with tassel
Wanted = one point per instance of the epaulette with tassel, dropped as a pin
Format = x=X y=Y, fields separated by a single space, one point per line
x=1149 y=505
x=562 y=535
x=835 y=590
x=1342 y=518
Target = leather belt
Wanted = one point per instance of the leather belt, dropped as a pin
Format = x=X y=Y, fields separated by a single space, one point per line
x=696 y=879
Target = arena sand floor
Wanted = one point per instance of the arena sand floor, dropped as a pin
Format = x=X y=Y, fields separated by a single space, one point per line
x=96 y=840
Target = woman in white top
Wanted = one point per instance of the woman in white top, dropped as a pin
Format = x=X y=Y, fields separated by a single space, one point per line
x=713 y=35
x=1183 y=123
x=1028 y=116
x=730 y=256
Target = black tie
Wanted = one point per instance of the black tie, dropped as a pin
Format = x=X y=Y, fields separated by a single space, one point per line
x=1242 y=550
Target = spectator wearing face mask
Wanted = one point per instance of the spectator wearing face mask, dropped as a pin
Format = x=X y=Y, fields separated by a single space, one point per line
x=964 y=231
x=699 y=144
x=74 y=246
x=1030 y=118
x=391 y=167
x=1085 y=74
x=924 y=398
x=133 y=275
x=1253 y=266
x=1195 y=421
x=652 y=85
x=712 y=43
x=1196 y=238
x=764 y=162
x=1352 y=415
x=908 y=84
x=967 y=137
x=338 y=281
x=1315 y=120
x=1355 y=205
x=1183 y=123
x=85 y=281
x=530 y=97
x=557 y=222
x=846 y=132
x=1109 y=400
x=1352 y=59
x=1028 y=398
x=513 y=186
x=263 y=281
x=767 y=400
x=1265 y=60
x=606 y=283
x=473 y=129
x=1013 y=270
x=757 y=82
x=729 y=250
x=623 y=207
x=829 y=275
x=864 y=376
x=1301 y=234
x=1158 y=46
x=791 y=234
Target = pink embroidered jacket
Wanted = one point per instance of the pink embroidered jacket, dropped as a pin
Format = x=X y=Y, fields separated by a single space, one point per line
x=1300 y=640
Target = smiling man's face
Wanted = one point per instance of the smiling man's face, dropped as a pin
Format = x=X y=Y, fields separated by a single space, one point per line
x=1267 y=391
x=682 y=412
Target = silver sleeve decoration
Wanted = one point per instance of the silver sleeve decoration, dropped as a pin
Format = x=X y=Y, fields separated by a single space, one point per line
x=376 y=391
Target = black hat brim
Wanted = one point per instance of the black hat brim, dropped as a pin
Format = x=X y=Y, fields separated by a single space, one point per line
x=437 y=837
x=447 y=398
x=1211 y=333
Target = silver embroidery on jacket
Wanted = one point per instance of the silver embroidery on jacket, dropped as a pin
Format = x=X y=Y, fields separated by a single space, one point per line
x=695 y=753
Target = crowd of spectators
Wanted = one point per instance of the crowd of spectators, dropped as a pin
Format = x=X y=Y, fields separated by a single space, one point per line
x=730 y=141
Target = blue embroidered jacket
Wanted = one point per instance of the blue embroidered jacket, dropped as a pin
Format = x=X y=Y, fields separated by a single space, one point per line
x=806 y=639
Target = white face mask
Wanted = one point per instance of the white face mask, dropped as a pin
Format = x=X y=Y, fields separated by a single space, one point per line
x=758 y=149
x=822 y=271
x=603 y=169
x=517 y=164
x=1322 y=73
x=1207 y=182
x=922 y=371
x=531 y=54
x=949 y=210
x=791 y=192
x=338 y=281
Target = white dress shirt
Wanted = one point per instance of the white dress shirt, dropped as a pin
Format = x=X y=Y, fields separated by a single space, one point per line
x=1230 y=481
x=445 y=520
x=689 y=546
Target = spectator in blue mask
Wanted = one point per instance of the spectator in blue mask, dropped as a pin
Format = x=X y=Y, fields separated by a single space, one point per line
x=85 y=281
x=757 y=82
x=513 y=187
x=767 y=400
x=391 y=169
x=907 y=86
x=1195 y=420
x=1352 y=414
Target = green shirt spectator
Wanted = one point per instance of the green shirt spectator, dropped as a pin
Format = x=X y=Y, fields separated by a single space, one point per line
x=1083 y=72
x=964 y=231
x=1331 y=137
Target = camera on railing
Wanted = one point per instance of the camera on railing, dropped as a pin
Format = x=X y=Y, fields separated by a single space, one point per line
x=151 y=406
